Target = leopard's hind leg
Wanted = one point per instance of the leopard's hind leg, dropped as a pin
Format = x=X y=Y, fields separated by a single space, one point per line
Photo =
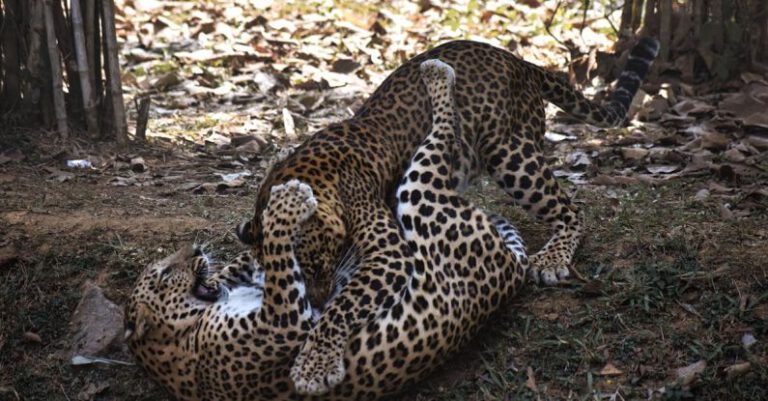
x=515 y=160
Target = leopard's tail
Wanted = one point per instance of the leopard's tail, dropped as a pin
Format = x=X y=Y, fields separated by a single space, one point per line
x=612 y=113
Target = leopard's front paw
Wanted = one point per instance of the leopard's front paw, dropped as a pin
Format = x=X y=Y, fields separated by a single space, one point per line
x=546 y=270
x=317 y=369
x=292 y=202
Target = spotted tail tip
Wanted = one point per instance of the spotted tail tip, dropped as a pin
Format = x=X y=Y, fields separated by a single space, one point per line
x=436 y=69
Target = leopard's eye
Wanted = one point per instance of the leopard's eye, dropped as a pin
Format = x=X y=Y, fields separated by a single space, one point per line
x=165 y=274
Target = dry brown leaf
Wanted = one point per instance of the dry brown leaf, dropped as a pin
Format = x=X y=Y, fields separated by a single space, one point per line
x=654 y=109
x=749 y=105
x=239 y=140
x=634 y=154
x=659 y=154
x=551 y=317
x=576 y=177
x=604 y=179
x=725 y=212
x=714 y=141
x=267 y=82
x=610 y=370
x=123 y=181
x=32 y=337
x=701 y=161
x=737 y=370
x=8 y=391
x=716 y=188
x=188 y=186
x=686 y=375
x=578 y=160
x=289 y=124
x=692 y=145
x=91 y=390
x=734 y=155
x=166 y=81
x=689 y=106
x=530 y=382
x=58 y=175
x=8 y=256
x=217 y=140
x=250 y=147
x=345 y=66
x=7 y=178
x=661 y=168
x=749 y=77
x=758 y=141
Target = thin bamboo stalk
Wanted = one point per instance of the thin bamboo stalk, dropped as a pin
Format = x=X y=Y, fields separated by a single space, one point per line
x=716 y=17
x=67 y=51
x=53 y=56
x=11 y=94
x=2 y=63
x=665 y=30
x=98 y=50
x=91 y=25
x=2 y=57
x=35 y=62
x=625 y=29
x=142 y=117
x=89 y=102
x=759 y=11
x=651 y=18
x=36 y=94
x=637 y=14
x=107 y=124
x=698 y=17
x=113 y=71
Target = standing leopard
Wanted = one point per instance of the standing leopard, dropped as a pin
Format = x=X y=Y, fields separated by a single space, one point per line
x=231 y=333
x=353 y=167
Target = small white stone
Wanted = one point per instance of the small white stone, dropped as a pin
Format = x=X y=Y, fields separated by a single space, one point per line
x=747 y=340
x=701 y=194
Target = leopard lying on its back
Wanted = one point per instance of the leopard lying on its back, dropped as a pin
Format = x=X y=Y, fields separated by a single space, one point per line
x=353 y=166
x=231 y=333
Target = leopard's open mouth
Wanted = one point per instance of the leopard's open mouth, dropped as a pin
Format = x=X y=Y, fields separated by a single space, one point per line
x=201 y=290
x=206 y=293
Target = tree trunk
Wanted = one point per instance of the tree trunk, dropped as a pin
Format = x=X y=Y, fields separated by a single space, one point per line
x=11 y=94
x=665 y=28
x=58 y=88
x=92 y=46
x=113 y=72
x=89 y=101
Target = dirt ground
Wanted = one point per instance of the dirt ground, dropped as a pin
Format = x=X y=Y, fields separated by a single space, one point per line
x=667 y=282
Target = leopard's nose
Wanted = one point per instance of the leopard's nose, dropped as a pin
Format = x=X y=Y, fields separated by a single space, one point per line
x=198 y=250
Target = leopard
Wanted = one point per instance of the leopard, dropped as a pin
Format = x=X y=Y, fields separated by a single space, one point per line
x=354 y=165
x=232 y=332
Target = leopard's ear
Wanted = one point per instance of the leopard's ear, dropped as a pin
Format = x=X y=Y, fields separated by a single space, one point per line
x=244 y=233
x=137 y=323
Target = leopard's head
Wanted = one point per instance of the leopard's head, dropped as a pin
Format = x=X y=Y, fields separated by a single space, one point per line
x=167 y=300
x=318 y=248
